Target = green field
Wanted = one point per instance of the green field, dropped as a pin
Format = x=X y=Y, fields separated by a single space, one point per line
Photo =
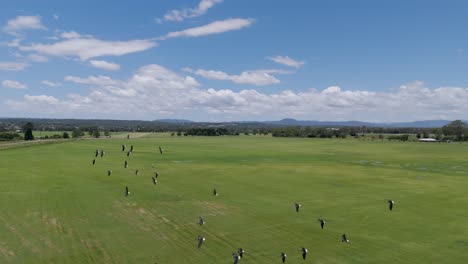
x=56 y=207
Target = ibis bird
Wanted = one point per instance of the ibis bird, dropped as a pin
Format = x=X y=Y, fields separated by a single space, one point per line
x=94 y=161
x=154 y=180
x=97 y=152
x=125 y=164
x=136 y=173
x=102 y=153
x=283 y=256
x=304 y=252
x=241 y=252
x=131 y=148
x=126 y=191
x=156 y=174
x=322 y=222
x=109 y=172
x=215 y=193
x=123 y=147
x=390 y=204
x=160 y=150
x=200 y=240
x=128 y=153
x=236 y=258
x=297 y=207
x=201 y=221
x=344 y=239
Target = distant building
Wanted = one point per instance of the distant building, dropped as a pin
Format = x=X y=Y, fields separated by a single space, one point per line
x=427 y=140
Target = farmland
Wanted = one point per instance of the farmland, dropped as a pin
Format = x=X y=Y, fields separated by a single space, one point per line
x=59 y=208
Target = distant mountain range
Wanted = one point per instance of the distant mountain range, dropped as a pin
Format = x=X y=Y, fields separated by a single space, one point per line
x=421 y=124
x=174 y=121
x=174 y=124
x=294 y=122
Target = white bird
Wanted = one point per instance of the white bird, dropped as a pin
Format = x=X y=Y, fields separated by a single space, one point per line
x=283 y=256
x=297 y=206
x=322 y=222
x=236 y=258
x=200 y=240
x=241 y=252
x=201 y=221
x=304 y=252
x=344 y=239
x=390 y=204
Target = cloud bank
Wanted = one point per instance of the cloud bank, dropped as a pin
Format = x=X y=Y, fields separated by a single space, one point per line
x=154 y=91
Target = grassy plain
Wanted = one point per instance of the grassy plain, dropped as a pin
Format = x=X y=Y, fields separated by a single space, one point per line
x=56 y=207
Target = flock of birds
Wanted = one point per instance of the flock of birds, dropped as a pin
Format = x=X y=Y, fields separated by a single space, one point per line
x=237 y=256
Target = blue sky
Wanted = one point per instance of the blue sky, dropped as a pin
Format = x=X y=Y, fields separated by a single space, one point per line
x=223 y=60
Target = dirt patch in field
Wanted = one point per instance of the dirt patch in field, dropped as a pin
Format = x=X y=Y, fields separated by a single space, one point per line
x=26 y=243
x=6 y=253
x=144 y=219
x=94 y=248
x=212 y=208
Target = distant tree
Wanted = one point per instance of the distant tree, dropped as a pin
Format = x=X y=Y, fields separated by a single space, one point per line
x=418 y=136
x=179 y=134
x=172 y=134
x=381 y=137
x=455 y=128
x=27 y=129
x=76 y=133
x=404 y=137
x=106 y=133
x=65 y=135
x=425 y=134
x=96 y=133
x=246 y=133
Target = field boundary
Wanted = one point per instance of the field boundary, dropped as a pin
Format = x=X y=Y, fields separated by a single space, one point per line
x=29 y=143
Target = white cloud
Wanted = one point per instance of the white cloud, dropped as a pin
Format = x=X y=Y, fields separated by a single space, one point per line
x=105 y=65
x=285 y=60
x=180 y=15
x=88 y=47
x=38 y=58
x=70 y=35
x=13 y=66
x=50 y=83
x=55 y=16
x=94 y=80
x=154 y=91
x=20 y=23
x=260 y=77
x=212 y=28
x=13 y=84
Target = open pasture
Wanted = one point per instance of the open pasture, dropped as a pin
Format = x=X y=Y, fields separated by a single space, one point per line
x=57 y=207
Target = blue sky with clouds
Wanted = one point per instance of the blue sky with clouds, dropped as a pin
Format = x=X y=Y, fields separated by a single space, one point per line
x=222 y=60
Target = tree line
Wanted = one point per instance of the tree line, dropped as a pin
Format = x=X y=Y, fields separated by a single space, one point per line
x=454 y=131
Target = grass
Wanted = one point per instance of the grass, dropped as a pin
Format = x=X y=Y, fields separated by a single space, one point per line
x=59 y=208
